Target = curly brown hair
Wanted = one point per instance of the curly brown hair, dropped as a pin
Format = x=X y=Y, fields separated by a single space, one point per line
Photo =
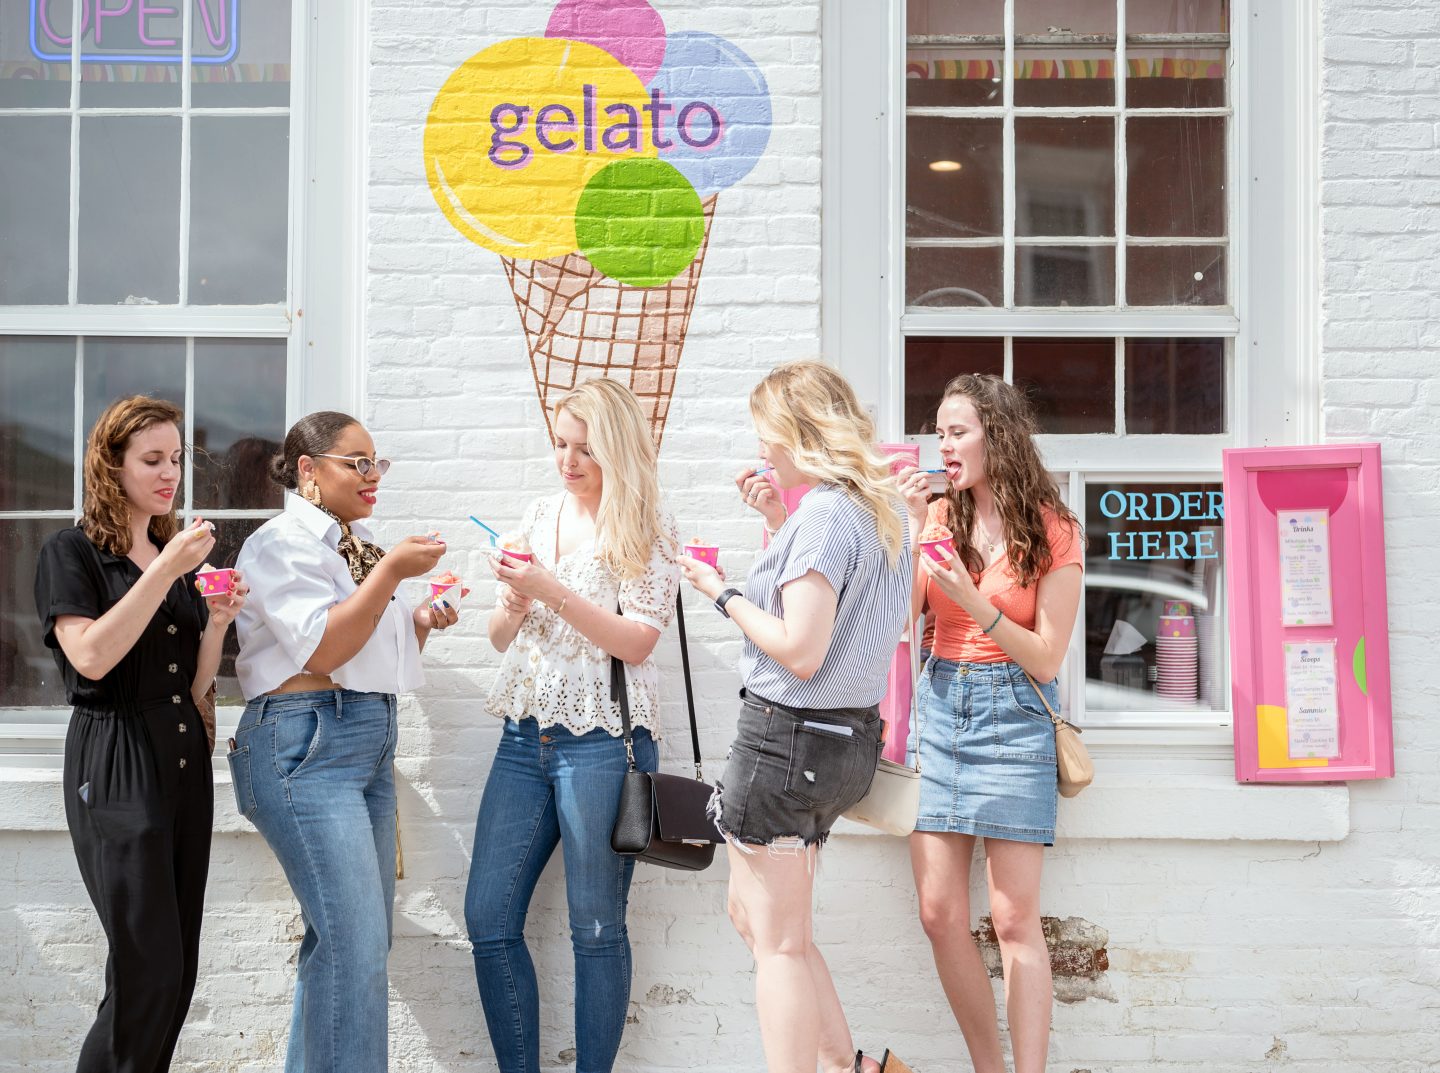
x=1024 y=490
x=106 y=515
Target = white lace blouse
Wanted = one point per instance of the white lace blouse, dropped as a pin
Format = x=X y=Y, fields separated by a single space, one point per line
x=551 y=672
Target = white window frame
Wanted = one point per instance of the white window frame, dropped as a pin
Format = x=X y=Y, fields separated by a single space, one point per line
x=1272 y=325
x=321 y=317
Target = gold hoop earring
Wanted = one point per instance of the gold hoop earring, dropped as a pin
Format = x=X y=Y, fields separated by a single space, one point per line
x=310 y=492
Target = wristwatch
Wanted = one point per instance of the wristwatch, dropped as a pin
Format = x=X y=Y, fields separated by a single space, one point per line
x=721 y=600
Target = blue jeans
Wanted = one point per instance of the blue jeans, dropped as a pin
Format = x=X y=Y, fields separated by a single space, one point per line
x=546 y=787
x=314 y=772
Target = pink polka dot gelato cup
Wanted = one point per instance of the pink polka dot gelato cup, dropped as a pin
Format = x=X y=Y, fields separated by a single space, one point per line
x=212 y=583
x=709 y=554
x=517 y=548
x=935 y=540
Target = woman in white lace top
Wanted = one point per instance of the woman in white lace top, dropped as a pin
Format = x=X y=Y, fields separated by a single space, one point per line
x=601 y=582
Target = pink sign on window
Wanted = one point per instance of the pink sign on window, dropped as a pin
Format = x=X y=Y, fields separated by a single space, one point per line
x=1309 y=633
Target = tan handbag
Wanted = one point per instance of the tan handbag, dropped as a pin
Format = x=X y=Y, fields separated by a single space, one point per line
x=892 y=804
x=1074 y=769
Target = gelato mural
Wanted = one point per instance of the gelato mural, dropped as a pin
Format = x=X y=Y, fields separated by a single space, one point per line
x=590 y=159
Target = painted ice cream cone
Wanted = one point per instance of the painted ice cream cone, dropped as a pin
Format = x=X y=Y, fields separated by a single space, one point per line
x=601 y=217
x=580 y=324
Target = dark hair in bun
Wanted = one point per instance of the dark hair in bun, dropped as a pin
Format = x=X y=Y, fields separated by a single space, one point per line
x=314 y=434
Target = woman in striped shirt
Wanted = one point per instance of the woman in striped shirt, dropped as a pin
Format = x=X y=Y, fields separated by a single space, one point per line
x=821 y=614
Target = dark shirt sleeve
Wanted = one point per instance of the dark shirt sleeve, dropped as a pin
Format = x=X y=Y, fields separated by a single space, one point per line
x=67 y=581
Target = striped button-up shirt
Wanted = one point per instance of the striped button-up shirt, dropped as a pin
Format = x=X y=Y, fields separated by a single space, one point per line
x=833 y=534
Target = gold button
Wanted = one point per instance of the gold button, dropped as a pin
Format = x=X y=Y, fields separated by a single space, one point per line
x=964 y=672
x=170 y=629
x=174 y=698
x=174 y=667
x=545 y=738
x=182 y=728
x=182 y=761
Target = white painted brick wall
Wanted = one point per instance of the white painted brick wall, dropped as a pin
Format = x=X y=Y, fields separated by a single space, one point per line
x=1226 y=956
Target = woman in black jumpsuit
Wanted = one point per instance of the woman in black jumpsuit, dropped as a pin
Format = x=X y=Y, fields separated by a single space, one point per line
x=117 y=602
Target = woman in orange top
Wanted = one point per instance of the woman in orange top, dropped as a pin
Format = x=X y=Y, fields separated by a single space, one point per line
x=1004 y=606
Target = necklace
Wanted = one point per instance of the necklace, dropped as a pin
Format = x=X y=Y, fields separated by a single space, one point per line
x=991 y=543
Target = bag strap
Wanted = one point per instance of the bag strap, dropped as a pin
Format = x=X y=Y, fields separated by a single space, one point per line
x=916 y=637
x=620 y=694
x=1055 y=719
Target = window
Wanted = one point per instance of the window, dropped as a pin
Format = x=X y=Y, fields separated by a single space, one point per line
x=153 y=226
x=1065 y=210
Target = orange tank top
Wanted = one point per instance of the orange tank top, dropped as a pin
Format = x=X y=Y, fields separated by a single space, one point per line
x=958 y=636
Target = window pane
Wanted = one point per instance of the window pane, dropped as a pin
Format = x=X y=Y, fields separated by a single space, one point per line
x=956 y=53
x=230 y=534
x=1153 y=589
x=28 y=674
x=1065 y=176
x=1175 y=78
x=239 y=421
x=929 y=366
x=953 y=177
x=115 y=368
x=132 y=54
x=239 y=186
x=954 y=276
x=1177 y=175
x=1175 y=275
x=130 y=210
x=1175 y=386
x=26 y=80
x=1190 y=17
x=1065 y=275
x=235 y=69
x=34 y=210
x=1065 y=53
x=1070 y=381
x=37 y=423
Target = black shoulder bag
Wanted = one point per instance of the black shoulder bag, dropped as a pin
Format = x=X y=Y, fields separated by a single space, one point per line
x=662 y=818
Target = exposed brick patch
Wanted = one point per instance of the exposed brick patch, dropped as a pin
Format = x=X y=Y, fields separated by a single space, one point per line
x=1078 y=957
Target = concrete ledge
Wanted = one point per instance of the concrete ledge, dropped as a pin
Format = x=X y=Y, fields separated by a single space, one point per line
x=1199 y=807
x=1196 y=807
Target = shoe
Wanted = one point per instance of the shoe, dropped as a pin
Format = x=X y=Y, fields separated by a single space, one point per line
x=888 y=1063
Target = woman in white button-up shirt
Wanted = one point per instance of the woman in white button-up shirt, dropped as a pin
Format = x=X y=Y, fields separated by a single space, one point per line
x=602 y=583
x=325 y=645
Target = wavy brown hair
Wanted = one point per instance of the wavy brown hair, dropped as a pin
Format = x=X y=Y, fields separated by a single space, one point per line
x=106 y=514
x=1024 y=490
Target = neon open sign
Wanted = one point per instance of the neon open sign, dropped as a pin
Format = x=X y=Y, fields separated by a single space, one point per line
x=133 y=31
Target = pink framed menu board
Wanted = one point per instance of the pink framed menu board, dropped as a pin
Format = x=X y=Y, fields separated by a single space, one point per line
x=1309 y=635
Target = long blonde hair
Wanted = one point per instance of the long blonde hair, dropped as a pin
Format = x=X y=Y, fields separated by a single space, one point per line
x=618 y=435
x=810 y=410
x=105 y=516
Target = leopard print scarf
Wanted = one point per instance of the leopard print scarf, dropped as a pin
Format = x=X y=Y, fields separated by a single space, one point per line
x=360 y=555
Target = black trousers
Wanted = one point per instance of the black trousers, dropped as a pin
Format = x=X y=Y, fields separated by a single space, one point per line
x=139 y=801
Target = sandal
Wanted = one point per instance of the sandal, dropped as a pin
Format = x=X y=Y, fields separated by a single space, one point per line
x=888 y=1063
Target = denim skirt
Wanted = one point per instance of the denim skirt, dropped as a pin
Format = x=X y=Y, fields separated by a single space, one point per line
x=987 y=752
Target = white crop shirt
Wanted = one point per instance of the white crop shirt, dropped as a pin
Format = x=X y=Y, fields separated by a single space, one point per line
x=296 y=576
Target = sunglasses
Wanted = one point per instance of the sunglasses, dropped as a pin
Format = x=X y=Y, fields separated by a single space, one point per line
x=363 y=466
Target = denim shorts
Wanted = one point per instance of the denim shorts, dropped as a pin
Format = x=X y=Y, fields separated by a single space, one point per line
x=792 y=771
x=987 y=752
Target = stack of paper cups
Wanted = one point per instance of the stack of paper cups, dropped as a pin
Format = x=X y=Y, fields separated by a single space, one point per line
x=1176 y=653
x=1208 y=629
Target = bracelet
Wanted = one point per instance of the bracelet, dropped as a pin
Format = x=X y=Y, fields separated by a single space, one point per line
x=563 y=601
x=998 y=616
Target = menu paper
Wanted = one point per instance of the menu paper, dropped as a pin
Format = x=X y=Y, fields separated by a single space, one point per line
x=1305 y=568
x=1312 y=705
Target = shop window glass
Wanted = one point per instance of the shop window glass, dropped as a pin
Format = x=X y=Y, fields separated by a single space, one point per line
x=1154 y=621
